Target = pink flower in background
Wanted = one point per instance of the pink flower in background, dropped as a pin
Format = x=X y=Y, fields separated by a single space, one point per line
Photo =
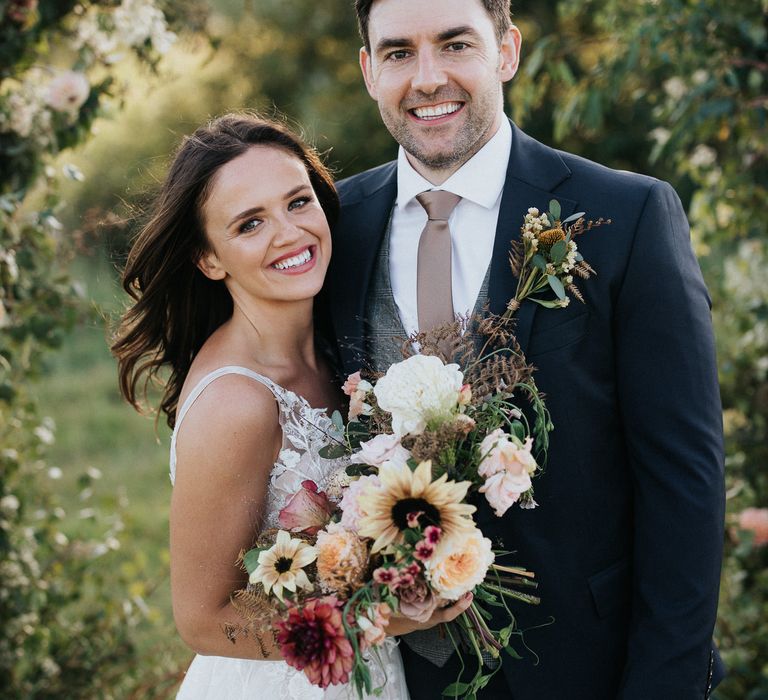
x=19 y=11
x=312 y=639
x=756 y=521
x=386 y=575
x=67 y=92
x=465 y=395
x=432 y=534
x=308 y=510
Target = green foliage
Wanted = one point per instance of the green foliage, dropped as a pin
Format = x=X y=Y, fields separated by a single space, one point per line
x=66 y=618
x=685 y=84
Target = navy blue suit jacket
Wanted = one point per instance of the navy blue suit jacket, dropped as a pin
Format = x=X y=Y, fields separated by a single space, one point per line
x=627 y=540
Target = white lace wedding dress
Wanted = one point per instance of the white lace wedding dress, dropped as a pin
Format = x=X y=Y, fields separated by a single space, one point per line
x=224 y=678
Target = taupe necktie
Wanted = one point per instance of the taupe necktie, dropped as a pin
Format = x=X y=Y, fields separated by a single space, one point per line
x=434 y=298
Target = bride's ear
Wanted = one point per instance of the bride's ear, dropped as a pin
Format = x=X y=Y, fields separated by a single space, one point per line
x=210 y=266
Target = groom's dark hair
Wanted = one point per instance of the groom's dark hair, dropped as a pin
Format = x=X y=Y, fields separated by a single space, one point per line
x=499 y=10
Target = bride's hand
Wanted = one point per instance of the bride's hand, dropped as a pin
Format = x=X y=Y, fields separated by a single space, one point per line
x=403 y=625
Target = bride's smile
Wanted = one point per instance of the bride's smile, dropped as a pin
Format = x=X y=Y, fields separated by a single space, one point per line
x=268 y=236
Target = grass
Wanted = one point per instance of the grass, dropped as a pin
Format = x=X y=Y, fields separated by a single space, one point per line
x=95 y=428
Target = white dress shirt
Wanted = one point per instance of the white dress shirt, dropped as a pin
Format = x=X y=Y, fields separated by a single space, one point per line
x=480 y=183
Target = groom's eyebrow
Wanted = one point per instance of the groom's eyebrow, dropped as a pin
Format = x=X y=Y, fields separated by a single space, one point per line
x=445 y=35
x=257 y=210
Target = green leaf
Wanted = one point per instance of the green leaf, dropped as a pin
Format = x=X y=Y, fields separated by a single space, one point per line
x=337 y=420
x=456 y=688
x=332 y=451
x=251 y=559
x=518 y=429
x=554 y=210
x=557 y=286
x=574 y=217
x=558 y=252
x=546 y=303
x=512 y=653
x=539 y=262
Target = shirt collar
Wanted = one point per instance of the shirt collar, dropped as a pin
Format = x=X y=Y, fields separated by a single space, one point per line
x=481 y=179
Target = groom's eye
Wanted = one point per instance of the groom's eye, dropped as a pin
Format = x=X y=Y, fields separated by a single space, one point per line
x=398 y=55
x=457 y=46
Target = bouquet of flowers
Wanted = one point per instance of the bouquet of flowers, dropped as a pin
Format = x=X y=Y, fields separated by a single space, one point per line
x=426 y=441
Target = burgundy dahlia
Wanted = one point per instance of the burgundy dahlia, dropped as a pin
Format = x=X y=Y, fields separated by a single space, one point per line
x=312 y=640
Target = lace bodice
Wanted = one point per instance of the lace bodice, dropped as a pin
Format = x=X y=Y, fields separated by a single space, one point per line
x=306 y=431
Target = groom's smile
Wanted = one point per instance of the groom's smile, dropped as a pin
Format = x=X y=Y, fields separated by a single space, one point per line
x=436 y=68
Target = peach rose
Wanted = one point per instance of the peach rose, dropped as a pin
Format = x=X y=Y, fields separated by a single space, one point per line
x=459 y=564
x=342 y=558
x=755 y=520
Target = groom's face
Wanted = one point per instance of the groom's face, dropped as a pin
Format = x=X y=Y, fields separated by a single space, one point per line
x=436 y=68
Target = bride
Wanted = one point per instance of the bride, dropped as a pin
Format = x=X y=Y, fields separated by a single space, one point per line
x=223 y=278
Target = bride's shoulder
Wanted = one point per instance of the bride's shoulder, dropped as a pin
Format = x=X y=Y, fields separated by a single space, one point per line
x=231 y=426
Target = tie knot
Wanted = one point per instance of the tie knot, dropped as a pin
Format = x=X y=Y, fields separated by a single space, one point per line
x=438 y=203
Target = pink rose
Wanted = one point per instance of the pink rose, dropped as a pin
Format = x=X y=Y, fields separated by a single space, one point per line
x=308 y=510
x=350 y=510
x=755 y=520
x=503 y=490
x=417 y=602
x=357 y=389
x=374 y=624
x=380 y=449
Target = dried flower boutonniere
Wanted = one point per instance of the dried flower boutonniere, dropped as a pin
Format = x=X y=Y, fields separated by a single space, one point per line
x=547 y=258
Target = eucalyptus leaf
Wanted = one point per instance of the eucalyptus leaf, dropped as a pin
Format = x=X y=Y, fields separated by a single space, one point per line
x=337 y=420
x=518 y=429
x=251 y=559
x=332 y=451
x=547 y=303
x=558 y=252
x=456 y=688
x=557 y=286
x=539 y=262
x=574 y=217
x=554 y=209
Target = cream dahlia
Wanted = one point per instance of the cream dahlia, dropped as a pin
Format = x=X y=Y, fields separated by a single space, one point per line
x=282 y=565
x=401 y=491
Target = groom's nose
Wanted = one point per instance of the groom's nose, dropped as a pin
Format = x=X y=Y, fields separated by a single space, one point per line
x=429 y=74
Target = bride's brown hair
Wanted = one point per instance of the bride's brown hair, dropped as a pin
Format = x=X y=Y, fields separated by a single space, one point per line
x=176 y=308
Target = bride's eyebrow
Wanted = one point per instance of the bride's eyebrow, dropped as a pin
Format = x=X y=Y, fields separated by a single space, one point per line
x=253 y=211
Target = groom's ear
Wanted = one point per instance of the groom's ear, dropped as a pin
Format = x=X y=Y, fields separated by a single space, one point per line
x=210 y=266
x=509 y=50
x=367 y=68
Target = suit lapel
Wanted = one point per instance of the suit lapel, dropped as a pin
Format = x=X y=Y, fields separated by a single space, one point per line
x=357 y=238
x=533 y=173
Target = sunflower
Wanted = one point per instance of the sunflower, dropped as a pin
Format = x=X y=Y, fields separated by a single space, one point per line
x=282 y=565
x=401 y=492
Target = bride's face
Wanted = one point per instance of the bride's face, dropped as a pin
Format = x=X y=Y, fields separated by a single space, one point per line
x=268 y=234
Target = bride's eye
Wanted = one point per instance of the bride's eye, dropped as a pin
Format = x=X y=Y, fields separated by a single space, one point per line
x=299 y=202
x=248 y=225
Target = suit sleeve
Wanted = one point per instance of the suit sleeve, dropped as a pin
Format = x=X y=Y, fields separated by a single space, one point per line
x=671 y=412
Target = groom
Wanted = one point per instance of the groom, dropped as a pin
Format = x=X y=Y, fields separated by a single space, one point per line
x=626 y=542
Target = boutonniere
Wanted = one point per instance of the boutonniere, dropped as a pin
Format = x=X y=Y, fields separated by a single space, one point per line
x=547 y=258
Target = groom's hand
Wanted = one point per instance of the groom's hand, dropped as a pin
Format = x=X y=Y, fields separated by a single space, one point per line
x=399 y=625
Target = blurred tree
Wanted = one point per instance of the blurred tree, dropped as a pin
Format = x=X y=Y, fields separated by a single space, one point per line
x=64 y=630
